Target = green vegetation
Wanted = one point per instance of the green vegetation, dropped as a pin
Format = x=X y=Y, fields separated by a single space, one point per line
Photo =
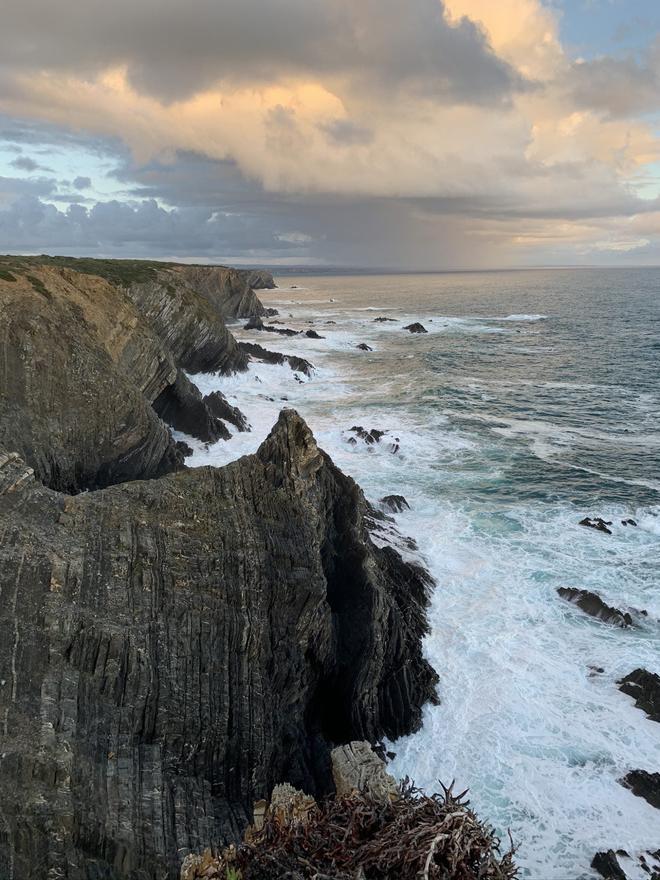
x=5 y=275
x=39 y=286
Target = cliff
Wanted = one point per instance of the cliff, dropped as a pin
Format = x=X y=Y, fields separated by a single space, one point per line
x=175 y=642
x=91 y=357
x=173 y=648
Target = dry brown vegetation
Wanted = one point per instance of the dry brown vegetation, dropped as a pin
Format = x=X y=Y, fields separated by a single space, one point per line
x=345 y=838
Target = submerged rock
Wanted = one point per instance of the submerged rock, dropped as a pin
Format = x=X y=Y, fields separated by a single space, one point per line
x=274 y=357
x=644 y=687
x=382 y=320
x=312 y=334
x=645 y=785
x=395 y=503
x=597 y=523
x=364 y=347
x=592 y=604
x=173 y=647
x=416 y=328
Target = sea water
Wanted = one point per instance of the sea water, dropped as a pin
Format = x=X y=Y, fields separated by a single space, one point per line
x=532 y=401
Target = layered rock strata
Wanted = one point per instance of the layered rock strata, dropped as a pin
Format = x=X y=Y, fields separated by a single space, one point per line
x=172 y=649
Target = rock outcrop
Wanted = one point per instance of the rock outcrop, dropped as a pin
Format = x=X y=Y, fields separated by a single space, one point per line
x=645 y=785
x=644 y=687
x=592 y=604
x=171 y=649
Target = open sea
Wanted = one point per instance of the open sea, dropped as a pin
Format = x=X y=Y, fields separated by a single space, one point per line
x=532 y=402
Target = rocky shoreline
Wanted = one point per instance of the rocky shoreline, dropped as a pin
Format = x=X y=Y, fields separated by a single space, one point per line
x=174 y=642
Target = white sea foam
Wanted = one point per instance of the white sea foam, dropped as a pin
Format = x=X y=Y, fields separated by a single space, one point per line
x=525 y=723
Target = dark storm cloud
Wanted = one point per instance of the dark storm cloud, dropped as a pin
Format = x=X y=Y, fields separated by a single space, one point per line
x=82 y=182
x=115 y=228
x=173 y=49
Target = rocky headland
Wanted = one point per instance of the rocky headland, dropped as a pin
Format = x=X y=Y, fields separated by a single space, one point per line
x=173 y=642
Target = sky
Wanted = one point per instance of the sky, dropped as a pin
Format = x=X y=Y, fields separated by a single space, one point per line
x=464 y=134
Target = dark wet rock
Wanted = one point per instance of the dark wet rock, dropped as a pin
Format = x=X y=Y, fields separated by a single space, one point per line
x=181 y=405
x=645 y=785
x=154 y=690
x=220 y=407
x=396 y=503
x=255 y=323
x=597 y=523
x=382 y=320
x=312 y=334
x=283 y=331
x=369 y=437
x=184 y=448
x=628 y=522
x=364 y=347
x=274 y=357
x=644 y=687
x=416 y=328
x=330 y=322
x=607 y=865
x=595 y=670
x=352 y=441
x=592 y=604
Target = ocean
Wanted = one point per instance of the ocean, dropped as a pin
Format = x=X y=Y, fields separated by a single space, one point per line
x=532 y=402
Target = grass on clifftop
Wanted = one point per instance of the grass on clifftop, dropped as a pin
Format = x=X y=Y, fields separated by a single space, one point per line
x=120 y=272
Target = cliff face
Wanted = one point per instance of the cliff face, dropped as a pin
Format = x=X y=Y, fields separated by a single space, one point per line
x=171 y=649
x=77 y=369
x=230 y=291
x=88 y=363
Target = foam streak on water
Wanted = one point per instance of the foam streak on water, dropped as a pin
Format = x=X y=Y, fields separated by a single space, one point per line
x=531 y=402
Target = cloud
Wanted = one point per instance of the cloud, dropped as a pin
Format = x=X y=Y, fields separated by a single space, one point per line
x=619 y=87
x=365 y=133
x=378 y=44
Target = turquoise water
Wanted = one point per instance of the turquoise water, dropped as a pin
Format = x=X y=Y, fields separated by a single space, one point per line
x=532 y=402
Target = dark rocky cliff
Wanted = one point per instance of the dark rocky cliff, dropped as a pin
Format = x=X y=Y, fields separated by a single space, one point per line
x=84 y=356
x=176 y=642
x=171 y=649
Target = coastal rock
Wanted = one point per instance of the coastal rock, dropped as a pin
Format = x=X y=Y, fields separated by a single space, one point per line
x=607 y=865
x=416 y=328
x=382 y=320
x=395 y=503
x=255 y=323
x=274 y=357
x=645 y=785
x=592 y=604
x=356 y=767
x=644 y=687
x=181 y=405
x=364 y=347
x=597 y=523
x=628 y=522
x=229 y=291
x=312 y=334
x=220 y=407
x=173 y=648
